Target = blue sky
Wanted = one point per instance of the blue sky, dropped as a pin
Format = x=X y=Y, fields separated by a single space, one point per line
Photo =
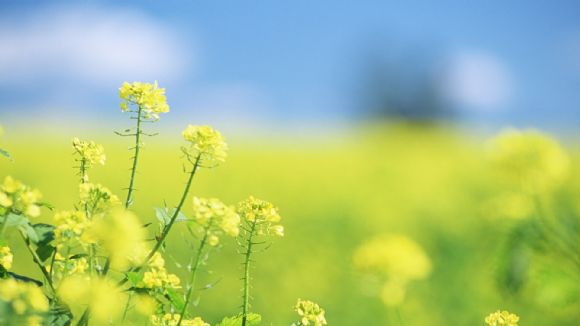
x=295 y=61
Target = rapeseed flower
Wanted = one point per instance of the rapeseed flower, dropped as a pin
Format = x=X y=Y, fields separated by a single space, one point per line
x=6 y=257
x=18 y=198
x=89 y=152
x=397 y=260
x=150 y=98
x=22 y=297
x=502 y=318
x=215 y=218
x=173 y=320
x=263 y=214
x=206 y=143
x=529 y=159
x=310 y=313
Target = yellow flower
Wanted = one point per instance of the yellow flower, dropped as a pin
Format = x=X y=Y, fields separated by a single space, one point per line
x=310 y=313
x=263 y=214
x=394 y=255
x=5 y=201
x=150 y=98
x=206 y=143
x=215 y=218
x=6 y=257
x=396 y=260
x=11 y=186
x=100 y=295
x=97 y=197
x=19 y=198
x=120 y=233
x=89 y=152
x=157 y=276
x=173 y=319
x=24 y=297
x=529 y=159
x=502 y=318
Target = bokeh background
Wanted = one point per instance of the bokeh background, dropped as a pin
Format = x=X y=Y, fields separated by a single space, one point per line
x=355 y=118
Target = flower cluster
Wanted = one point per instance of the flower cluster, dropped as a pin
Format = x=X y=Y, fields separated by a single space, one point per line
x=502 y=318
x=24 y=299
x=206 y=143
x=120 y=234
x=310 y=313
x=6 y=257
x=173 y=320
x=215 y=218
x=70 y=228
x=262 y=214
x=529 y=159
x=150 y=98
x=157 y=277
x=395 y=258
x=89 y=152
x=19 y=198
x=101 y=295
x=97 y=198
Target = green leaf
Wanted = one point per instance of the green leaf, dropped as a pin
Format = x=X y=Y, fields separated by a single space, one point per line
x=44 y=232
x=135 y=278
x=44 y=251
x=15 y=220
x=59 y=315
x=162 y=215
x=176 y=299
x=29 y=231
x=251 y=320
x=77 y=256
x=4 y=153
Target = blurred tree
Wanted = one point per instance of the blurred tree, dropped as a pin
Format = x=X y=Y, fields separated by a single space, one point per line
x=404 y=87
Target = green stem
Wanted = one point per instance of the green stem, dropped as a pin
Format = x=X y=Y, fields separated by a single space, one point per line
x=83 y=168
x=193 y=274
x=127 y=306
x=38 y=262
x=168 y=227
x=138 y=132
x=247 y=261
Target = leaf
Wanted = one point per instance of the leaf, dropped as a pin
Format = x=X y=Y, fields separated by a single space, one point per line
x=44 y=232
x=15 y=220
x=175 y=299
x=4 y=153
x=252 y=319
x=44 y=251
x=77 y=256
x=162 y=215
x=59 y=315
x=23 y=278
x=134 y=278
x=29 y=231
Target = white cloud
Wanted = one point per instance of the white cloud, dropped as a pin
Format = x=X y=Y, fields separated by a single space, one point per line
x=478 y=81
x=91 y=44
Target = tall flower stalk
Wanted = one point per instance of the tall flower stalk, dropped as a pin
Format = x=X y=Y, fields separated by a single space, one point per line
x=146 y=101
x=211 y=219
x=259 y=219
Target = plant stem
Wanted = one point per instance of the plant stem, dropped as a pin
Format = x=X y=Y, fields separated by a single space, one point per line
x=193 y=274
x=168 y=227
x=37 y=261
x=246 y=295
x=127 y=306
x=138 y=132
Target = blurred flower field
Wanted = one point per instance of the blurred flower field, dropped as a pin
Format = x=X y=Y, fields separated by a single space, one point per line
x=390 y=225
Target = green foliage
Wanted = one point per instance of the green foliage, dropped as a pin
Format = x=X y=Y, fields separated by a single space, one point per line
x=252 y=319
